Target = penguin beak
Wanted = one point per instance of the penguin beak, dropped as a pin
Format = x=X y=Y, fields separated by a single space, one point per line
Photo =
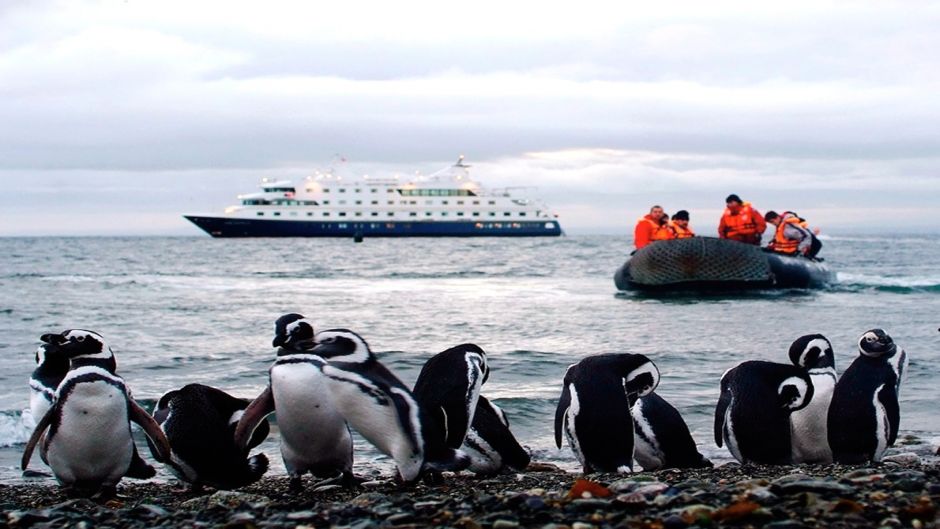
x=279 y=340
x=52 y=339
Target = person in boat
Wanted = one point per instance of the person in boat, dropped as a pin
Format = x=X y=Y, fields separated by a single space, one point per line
x=647 y=226
x=664 y=231
x=741 y=222
x=680 y=225
x=792 y=236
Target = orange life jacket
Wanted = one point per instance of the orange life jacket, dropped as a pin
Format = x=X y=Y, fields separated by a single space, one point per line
x=643 y=232
x=746 y=226
x=663 y=233
x=781 y=243
x=682 y=233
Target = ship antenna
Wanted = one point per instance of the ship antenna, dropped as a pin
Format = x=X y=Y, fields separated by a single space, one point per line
x=460 y=162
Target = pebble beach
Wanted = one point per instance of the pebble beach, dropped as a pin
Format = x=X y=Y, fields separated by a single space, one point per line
x=902 y=491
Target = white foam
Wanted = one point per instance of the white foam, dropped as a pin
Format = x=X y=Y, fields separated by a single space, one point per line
x=883 y=281
x=15 y=427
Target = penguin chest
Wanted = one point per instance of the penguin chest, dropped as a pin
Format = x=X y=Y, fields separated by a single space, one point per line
x=92 y=441
x=306 y=415
x=882 y=427
x=808 y=427
x=646 y=448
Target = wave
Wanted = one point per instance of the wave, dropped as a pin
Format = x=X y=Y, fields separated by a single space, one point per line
x=899 y=285
x=15 y=427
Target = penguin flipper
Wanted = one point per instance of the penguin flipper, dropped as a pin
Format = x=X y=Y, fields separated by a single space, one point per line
x=261 y=407
x=889 y=400
x=139 y=468
x=457 y=416
x=561 y=411
x=161 y=446
x=724 y=400
x=38 y=432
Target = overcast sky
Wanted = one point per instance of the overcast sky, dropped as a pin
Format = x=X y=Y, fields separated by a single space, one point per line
x=117 y=117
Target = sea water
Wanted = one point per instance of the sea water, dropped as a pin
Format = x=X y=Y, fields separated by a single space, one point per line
x=196 y=309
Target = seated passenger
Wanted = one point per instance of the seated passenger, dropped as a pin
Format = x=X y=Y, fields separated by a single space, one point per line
x=680 y=225
x=646 y=226
x=663 y=230
x=741 y=222
x=792 y=236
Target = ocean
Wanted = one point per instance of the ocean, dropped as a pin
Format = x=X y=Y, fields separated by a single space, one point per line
x=177 y=310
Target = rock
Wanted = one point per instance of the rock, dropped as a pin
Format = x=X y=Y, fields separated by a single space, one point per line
x=148 y=509
x=674 y=521
x=400 y=518
x=505 y=524
x=796 y=476
x=327 y=488
x=301 y=515
x=368 y=499
x=227 y=499
x=785 y=524
x=581 y=525
x=904 y=458
x=535 y=503
x=812 y=485
x=374 y=484
x=590 y=505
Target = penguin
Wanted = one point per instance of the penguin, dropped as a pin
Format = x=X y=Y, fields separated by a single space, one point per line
x=753 y=411
x=662 y=439
x=315 y=437
x=381 y=408
x=594 y=409
x=864 y=414
x=448 y=388
x=49 y=372
x=808 y=437
x=199 y=423
x=89 y=445
x=490 y=443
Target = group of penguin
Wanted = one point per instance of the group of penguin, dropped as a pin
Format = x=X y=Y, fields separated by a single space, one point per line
x=320 y=385
x=767 y=413
x=323 y=384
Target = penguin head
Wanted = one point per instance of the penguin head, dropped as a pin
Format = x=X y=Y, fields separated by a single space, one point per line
x=642 y=376
x=298 y=336
x=795 y=393
x=342 y=345
x=812 y=351
x=77 y=343
x=876 y=343
x=281 y=331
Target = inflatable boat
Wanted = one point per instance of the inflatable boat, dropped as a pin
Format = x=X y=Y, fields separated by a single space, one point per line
x=707 y=263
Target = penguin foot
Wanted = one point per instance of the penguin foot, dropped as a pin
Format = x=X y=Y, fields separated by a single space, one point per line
x=36 y=474
x=433 y=477
x=296 y=484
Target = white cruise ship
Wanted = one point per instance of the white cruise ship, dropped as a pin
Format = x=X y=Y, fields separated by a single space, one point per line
x=446 y=204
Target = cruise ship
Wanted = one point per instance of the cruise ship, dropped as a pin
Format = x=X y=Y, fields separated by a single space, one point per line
x=447 y=203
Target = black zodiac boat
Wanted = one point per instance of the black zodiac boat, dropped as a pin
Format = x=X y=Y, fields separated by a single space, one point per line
x=708 y=263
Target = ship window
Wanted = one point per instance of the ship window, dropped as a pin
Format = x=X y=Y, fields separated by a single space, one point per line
x=375 y=202
x=434 y=192
x=341 y=190
x=389 y=190
x=391 y=214
x=326 y=213
x=391 y=202
x=476 y=213
x=460 y=202
x=342 y=201
x=492 y=202
x=413 y=202
x=342 y=225
x=443 y=213
x=326 y=202
x=428 y=214
x=412 y=214
x=375 y=213
x=522 y=213
x=260 y=213
x=476 y=202
x=342 y=213
x=460 y=213
x=358 y=202
x=429 y=202
x=293 y=213
x=277 y=213
x=358 y=213
x=374 y=190
x=492 y=214
x=506 y=214
x=326 y=190
x=444 y=202
x=358 y=191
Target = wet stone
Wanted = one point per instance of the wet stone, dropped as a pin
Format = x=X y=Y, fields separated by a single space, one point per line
x=810 y=485
x=674 y=521
x=505 y=524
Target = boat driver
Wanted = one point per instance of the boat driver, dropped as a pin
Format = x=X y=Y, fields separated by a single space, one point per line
x=792 y=236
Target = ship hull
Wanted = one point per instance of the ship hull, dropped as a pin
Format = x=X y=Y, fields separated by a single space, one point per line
x=241 y=227
x=709 y=264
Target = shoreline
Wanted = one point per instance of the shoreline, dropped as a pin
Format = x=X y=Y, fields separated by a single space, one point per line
x=903 y=492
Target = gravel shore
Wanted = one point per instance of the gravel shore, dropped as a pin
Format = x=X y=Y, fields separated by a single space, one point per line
x=899 y=493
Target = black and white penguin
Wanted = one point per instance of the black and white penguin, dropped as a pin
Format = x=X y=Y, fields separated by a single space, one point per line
x=864 y=414
x=314 y=435
x=490 y=443
x=448 y=388
x=662 y=438
x=753 y=411
x=199 y=423
x=808 y=437
x=380 y=407
x=89 y=445
x=49 y=372
x=594 y=409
